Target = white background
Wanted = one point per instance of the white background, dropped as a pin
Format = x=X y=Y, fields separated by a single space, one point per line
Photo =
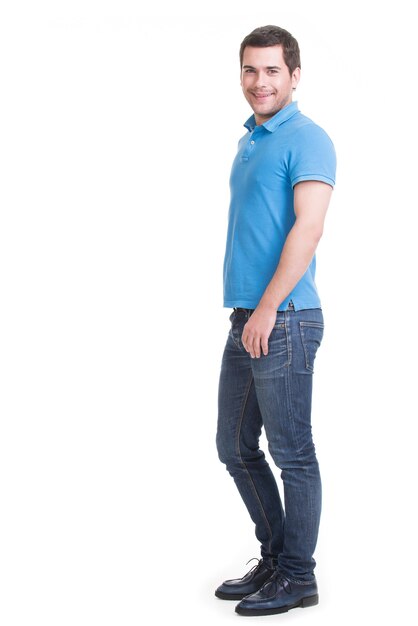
x=118 y=128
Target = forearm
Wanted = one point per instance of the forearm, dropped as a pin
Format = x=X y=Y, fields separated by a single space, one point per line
x=297 y=253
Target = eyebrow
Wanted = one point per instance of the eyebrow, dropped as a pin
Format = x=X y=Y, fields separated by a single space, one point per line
x=269 y=67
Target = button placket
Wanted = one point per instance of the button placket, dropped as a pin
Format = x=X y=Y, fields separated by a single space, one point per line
x=250 y=144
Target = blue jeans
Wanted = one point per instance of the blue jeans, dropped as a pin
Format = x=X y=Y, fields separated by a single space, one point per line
x=274 y=391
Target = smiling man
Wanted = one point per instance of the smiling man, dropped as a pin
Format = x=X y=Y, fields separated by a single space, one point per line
x=281 y=184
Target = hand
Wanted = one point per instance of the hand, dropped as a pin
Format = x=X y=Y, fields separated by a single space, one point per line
x=257 y=331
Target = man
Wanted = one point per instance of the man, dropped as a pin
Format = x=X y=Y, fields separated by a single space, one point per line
x=281 y=184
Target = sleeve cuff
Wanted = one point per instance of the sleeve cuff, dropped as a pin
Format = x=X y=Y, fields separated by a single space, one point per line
x=324 y=179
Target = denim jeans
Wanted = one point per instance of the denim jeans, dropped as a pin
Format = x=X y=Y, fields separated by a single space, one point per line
x=274 y=391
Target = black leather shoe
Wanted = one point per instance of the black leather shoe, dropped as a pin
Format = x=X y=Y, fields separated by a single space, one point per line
x=279 y=595
x=238 y=588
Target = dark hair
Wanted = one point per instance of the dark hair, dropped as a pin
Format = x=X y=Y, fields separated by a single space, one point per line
x=265 y=36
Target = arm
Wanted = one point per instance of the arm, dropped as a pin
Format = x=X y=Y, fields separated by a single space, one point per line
x=311 y=200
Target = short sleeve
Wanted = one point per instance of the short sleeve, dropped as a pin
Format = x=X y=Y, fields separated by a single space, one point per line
x=312 y=156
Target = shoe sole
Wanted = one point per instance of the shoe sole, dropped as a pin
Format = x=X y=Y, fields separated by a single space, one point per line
x=303 y=603
x=231 y=596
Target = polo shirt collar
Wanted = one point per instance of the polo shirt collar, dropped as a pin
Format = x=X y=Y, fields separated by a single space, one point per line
x=274 y=122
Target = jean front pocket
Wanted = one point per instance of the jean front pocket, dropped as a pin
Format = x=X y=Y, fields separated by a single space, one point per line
x=277 y=358
x=311 y=334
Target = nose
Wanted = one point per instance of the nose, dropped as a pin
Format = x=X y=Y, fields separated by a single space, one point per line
x=260 y=79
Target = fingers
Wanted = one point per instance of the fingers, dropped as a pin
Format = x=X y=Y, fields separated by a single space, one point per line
x=256 y=333
x=265 y=346
x=254 y=345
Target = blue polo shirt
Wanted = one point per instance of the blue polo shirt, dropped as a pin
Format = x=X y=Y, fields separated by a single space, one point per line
x=271 y=159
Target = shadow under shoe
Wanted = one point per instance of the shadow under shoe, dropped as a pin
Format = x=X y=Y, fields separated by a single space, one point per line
x=279 y=595
x=238 y=588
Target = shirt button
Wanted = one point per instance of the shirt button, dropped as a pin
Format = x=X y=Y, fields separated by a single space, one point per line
x=252 y=141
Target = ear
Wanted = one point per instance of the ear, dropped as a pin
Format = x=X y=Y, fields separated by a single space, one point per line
x=295 y=78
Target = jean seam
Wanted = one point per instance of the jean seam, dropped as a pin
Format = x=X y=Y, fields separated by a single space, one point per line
x=289 y=397
x=288 y=339
x=302 y=324
x=288 y=383
x=238 y=449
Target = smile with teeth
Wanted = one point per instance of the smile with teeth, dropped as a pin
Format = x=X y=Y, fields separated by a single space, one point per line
x=261 y=96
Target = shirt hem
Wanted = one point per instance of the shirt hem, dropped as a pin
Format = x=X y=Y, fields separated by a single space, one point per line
x=247 y=304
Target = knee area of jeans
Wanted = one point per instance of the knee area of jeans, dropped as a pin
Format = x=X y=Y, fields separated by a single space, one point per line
x=302 y=454
x=295 y=461
x=234 y=459
x=229 y=459
x=225 y=456
x=234 y=462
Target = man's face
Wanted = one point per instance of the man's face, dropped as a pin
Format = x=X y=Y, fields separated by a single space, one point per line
x=266 y=81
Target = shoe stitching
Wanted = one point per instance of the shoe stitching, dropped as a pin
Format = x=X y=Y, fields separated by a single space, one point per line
x=279 y=579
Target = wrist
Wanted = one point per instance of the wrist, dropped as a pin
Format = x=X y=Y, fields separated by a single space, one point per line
x=268 y=304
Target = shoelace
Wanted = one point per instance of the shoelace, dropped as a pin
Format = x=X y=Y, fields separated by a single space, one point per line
x=255 y=567
x=278 y=579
